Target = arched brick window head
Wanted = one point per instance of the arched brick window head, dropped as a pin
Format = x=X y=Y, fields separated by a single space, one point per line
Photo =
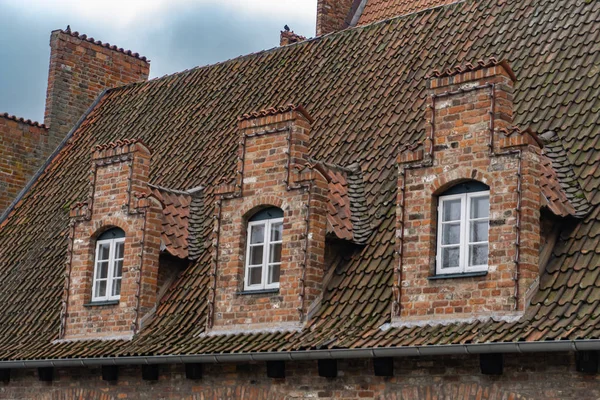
x=108 y=265
x=263 y=250
x=463 y=225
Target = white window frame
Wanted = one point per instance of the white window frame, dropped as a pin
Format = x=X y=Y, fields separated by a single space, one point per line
x=465 y=234
x=110 y=279
x=268 y=223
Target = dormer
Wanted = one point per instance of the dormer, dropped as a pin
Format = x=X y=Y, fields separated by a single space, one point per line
x=272 y=225
x=468 y=209
x=127 y=243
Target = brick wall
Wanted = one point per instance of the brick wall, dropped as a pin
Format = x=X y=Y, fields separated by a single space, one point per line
x=23 y=147
x=333 y=15
x=533 y=376
x=268 y=180
x=79 y=70
x=460 y=152
x=119 y=177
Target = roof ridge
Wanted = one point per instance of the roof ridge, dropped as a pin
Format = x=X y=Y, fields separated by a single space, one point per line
x=106 y=45
x=23 y=120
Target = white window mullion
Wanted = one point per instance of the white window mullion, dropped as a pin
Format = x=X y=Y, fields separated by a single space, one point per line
x=265 y=268
x=464 y=233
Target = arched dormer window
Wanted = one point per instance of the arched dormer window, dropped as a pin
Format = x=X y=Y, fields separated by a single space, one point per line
x=263 y=249
x=108 y=265
x=463 y=225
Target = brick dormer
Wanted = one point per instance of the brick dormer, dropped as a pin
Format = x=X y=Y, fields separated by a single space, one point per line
x=274 y=173
x=471 y=155
x=119 y=201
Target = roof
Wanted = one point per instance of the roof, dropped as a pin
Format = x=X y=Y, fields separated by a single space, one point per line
x=366 y=91
x=378 y=10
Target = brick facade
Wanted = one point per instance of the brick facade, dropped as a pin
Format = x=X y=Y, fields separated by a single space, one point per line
x=79 y=70
x=533 y=376
x=271 y=172
x=333 y=15
x=468 y=106
x=119 y=177
x=23 y=147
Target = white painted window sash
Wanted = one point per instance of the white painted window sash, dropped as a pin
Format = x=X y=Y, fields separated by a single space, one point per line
x=267 y=242
x=110 y=277
x=465 y=234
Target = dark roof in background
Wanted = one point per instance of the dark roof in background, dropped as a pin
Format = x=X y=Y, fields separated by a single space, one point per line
x=378 y=10
x=366 y=91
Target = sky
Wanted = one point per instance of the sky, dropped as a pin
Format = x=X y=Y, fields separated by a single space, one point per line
x=174 y=34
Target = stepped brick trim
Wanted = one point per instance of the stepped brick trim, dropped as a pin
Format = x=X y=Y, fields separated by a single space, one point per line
x=23 y=120
x=84 y=37
x=470 y=72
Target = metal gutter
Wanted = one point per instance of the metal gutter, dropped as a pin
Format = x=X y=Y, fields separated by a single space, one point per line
x=51 y=158
x=472 y=349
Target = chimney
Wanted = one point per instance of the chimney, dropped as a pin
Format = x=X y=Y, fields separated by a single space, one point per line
x=80 y=69
x=334 y=15
x=289 y=37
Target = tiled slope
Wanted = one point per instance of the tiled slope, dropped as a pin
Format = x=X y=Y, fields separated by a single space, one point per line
x=378 y=10
x=365 y=89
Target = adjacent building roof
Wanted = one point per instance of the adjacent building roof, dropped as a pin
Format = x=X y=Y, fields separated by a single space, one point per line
x=366 y=90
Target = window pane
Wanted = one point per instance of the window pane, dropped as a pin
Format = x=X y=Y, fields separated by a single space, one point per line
x=104 y=251
x=450 y=257
x=451 y=233
x=478 y=254
x=480 y=207
x=116 y=290
x=255 y=276
x=119 y=250
x=275 y=255
x=100 y=289
x=479 y=231
x=451 y=210
x=276 y=232
x=258 y=234
x=118 y=269
x=256 y=255
x=274 y=273
x=102 y=271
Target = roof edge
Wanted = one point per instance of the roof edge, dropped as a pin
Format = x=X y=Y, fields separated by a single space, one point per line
x=48 y=161
x=337 y=354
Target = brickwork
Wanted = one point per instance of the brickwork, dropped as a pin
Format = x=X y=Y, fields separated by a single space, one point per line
x=79 y=70
x=534 y=376
x=461 y=151
x=272 y=173
x=290 y=37
x=333 y=15
x=23 y=147
x=119 y=177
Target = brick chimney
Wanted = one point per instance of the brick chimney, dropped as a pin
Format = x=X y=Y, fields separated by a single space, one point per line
x=80 y=68
x=289 y=37
x=470 y=141
x=334 y=15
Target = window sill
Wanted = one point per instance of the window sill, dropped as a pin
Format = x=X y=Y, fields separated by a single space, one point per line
x=102 y=303
x=263 y=291
x=454 y=276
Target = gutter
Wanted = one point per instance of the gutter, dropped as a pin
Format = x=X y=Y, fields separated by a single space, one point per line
x=335 y=354
x=40 y=171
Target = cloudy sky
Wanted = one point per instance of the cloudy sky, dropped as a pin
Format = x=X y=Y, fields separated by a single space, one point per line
x=173 y=34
